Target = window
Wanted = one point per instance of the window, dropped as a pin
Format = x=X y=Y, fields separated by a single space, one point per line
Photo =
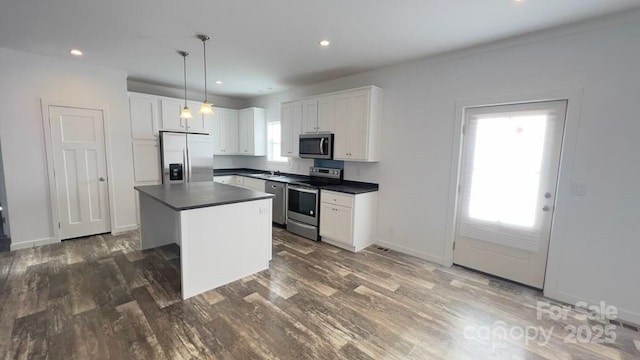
x=274 y=145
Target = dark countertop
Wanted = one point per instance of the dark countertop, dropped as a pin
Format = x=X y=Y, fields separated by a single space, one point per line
x=347 y=186
x=239 y=171
x=352 y=187
x=200 y=194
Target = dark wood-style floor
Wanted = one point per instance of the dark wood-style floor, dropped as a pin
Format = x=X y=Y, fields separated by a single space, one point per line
x=101 y=298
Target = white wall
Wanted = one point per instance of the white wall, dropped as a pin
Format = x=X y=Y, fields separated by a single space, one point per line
x=26 y=79
x=3 y=200
x=595 y=237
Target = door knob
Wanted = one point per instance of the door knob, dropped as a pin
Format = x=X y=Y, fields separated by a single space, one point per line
x=545 y=208
x=101 y=179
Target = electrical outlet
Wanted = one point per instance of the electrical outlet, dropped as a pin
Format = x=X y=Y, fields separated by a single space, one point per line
x=392 y=230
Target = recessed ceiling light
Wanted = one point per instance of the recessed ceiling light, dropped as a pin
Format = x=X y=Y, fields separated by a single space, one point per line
x=324 y=43
x=75 y=52
x=219 y=82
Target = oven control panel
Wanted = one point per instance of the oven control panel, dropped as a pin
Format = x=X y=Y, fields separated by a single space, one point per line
x=330 y=173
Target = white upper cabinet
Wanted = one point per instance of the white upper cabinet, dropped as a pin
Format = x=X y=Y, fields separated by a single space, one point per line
x=199 y=121
x=225 y=131
x=171 y=109
x=326 y=113
x=318 y=114
x=290 y=128
x=252 y=132
x=143 y=111
x=357 y=125
x=354 y=116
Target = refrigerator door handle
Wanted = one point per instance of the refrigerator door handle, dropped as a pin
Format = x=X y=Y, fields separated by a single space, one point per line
x=187 y=164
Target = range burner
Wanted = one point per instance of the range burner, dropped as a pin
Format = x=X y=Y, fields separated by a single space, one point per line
x=321 y=177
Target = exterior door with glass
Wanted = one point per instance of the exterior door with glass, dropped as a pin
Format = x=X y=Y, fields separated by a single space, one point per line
x=508 y=177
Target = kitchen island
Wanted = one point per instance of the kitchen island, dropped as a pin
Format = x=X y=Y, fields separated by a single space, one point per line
x=224 y=232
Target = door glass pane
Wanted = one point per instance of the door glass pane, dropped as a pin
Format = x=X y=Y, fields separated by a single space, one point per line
x=507 y=160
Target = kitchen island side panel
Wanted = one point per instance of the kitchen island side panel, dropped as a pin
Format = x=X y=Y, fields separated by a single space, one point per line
x=221 y=244
x=159 y=224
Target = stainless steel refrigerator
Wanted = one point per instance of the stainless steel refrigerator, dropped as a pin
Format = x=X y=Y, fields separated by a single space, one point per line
x=186 y=157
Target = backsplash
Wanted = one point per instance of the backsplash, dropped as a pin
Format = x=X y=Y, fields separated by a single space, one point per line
x=336 y=164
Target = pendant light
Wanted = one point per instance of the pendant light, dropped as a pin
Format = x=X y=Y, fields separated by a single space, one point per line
x=186 y=112
x=205 y=108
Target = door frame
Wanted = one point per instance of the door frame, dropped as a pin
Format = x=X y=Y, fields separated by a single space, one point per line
x=45 y=103
x=573 y=96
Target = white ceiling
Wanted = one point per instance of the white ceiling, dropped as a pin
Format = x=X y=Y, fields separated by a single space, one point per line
x=262 y=44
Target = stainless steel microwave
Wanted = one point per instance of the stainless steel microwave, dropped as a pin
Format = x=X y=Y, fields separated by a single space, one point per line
x=316 y=146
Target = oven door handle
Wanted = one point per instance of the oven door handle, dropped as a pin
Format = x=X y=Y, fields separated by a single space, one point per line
x=322 y=146
x=303 y=190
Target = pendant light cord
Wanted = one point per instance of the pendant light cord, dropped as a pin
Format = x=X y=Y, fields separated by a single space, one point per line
x=184 y=58
x=204 y=48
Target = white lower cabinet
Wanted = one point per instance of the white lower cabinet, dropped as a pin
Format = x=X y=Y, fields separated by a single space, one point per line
x=225 y=179
x=347 y=220
x=253 y=184
x=241 y=181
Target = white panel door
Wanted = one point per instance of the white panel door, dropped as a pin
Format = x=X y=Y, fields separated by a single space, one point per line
x=80 y=171
x=509 y=172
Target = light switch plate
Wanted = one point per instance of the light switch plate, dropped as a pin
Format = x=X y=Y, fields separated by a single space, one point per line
x=579 y=189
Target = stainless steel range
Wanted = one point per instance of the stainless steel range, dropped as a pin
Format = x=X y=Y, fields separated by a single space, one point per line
x=303 y=205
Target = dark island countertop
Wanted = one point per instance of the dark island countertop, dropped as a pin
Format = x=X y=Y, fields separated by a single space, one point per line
x=200 y=194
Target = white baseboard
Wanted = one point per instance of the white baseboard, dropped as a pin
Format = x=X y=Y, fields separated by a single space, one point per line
x=624 y=315
x=123 y=229
x=33 y=243
x=405 y=250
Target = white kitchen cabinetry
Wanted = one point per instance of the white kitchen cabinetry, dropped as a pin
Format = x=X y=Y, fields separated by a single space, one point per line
x=143 y=112
x=225 y=179
x=225 y=131
x=241 y=181
x=290 y=128
x=346 y=220
x=199 y=121
x=357 y=125
x=146 y=161
x=253 y=184
x=354 y=116
x=318 y=114
x=171 y=109
x=252 y=137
